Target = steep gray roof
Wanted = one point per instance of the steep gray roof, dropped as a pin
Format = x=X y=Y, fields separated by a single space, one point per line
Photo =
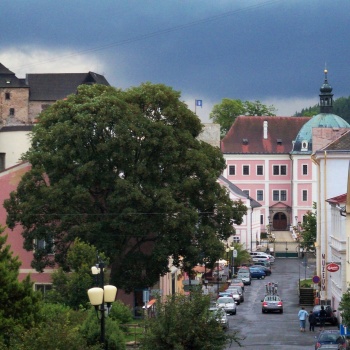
x=8 y=79
x=52 y=87
x=238 y=191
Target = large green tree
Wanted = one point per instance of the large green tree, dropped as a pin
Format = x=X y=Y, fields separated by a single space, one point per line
x=184 y=323
x=19 y=303
x=225 y=112
x=125 y=172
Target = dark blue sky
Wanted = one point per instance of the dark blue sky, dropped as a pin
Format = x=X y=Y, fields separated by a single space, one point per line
x=268 y=50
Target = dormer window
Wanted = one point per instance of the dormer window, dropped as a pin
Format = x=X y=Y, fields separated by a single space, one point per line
x=245 y=141
x=7 y=96
x=8 y=81
x=279 y=141
x=304 y=145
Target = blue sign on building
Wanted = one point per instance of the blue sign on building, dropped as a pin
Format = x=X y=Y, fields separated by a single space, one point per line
x=344 y=330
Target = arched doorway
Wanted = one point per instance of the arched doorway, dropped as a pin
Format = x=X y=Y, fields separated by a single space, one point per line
x=279 y=221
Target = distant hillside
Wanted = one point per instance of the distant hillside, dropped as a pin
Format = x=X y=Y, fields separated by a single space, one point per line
x=341 y=107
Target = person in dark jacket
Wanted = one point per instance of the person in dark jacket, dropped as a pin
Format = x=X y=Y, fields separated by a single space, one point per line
x=312 y=321
x=322 y=315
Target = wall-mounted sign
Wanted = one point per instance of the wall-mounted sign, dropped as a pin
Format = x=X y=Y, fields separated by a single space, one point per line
x=332 y=267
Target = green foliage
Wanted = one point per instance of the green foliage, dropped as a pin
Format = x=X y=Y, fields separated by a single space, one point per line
x=309 y=230
x=243 y=256
x=341 y=107
x=344 y=308
x=184 y=323
x=121 y=313
x=225 y=112
x=70 y=288
x=125 y=172
x=19 y=303
x=91 y=331
x=57 y=329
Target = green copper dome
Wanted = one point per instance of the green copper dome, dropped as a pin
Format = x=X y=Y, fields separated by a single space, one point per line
x=303 y=141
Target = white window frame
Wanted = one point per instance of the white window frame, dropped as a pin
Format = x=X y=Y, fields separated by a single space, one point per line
x=304 y=166
x=279 y=170
x=279 y=194
x=233 y=167
x=262 y=170
x=304 y=195
x=257 y=195
x=245 y=167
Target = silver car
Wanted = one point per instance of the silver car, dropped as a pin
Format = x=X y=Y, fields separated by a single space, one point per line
x=228 y=304
x=236 y=295
x=220 y=316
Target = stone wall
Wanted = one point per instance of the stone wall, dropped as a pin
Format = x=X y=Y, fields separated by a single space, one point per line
x=18 y=101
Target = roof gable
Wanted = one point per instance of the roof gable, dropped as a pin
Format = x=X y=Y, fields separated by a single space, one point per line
x=53 y=87
x=340 y=144
x=341 y=199
x=246 y=134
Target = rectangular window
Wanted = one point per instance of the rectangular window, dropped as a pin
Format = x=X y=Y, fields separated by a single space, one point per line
x=276 y=195
x=283 y=195
x=12 y=111
x=304 y=169
x=41 y=244
x=245 y=169
x=259 y=195
x=304 y=195
x=236 y=239
x=44 y=288
x=259 y=170
x=261 y=219
x=232 y=170
x=246 y=192
x=7 y=96
x=280 y=170
x=2 y=161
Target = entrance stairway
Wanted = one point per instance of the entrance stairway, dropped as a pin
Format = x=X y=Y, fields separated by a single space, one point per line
x=306 y=296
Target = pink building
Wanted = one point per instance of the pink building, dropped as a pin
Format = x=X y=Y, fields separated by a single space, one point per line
x=269 y=158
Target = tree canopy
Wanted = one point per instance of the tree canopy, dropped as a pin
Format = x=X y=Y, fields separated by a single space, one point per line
x=225 y=112
x=19 y=303
x=125 y=172
x=309 y=230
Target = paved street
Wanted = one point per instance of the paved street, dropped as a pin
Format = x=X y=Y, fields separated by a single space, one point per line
x=273 y=330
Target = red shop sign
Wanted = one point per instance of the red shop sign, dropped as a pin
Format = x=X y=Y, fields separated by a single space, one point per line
x=332 y=267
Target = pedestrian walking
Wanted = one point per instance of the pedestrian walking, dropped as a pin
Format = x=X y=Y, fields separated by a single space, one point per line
x=322 y=315
x=302 y=315
x=312 y=322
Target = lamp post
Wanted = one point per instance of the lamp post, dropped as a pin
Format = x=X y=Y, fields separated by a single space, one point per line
x=228 y=258
x=98 y=296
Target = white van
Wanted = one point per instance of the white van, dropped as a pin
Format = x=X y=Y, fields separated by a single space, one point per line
x=263 y=256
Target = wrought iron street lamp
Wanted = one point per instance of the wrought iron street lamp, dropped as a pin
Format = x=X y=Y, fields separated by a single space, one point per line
x=101 y=298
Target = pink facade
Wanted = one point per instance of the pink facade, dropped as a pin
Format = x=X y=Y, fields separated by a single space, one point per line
x=9 y=180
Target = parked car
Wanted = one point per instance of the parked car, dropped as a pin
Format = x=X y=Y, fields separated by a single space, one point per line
x=272 y=303
x=240 y=291
x=228 y=304
x=261 y=258
x=266 y=269
x=235 y=294
x=245 y=275
x=256 y=255
x=237 y=282
x=221 y=316
x=330 y=318
x=255 y=272
x=262 y=263
x=330 y=337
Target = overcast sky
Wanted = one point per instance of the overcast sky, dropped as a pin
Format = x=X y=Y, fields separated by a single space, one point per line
x=268 y=50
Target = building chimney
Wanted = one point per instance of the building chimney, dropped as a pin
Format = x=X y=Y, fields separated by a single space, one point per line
x=265 y=129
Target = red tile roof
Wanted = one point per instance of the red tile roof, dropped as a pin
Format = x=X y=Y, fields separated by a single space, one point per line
x=281 y=131
x=338 y=199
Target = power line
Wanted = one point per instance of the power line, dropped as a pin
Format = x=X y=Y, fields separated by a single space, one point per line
x=153 y=34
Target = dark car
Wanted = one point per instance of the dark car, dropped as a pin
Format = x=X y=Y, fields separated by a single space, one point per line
x=266 y=269
x=257 y=273
x=330 y=337
x=330 y=318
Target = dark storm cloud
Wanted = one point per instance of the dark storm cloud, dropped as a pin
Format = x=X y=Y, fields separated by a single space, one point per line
x=209 y=49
